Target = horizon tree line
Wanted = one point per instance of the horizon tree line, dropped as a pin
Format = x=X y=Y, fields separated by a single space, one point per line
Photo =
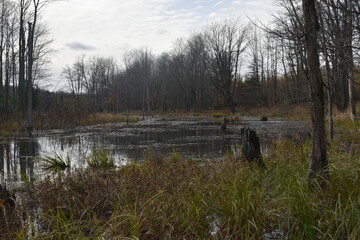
x=224 y=64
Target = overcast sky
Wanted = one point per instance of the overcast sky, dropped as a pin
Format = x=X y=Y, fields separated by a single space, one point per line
x=111 y=27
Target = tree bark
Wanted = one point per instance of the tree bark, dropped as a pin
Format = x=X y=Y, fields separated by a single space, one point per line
x=251 y=147
x=7 y=77
x=30 y=80
x=22 y=48
x=318 y=161
x=351 y=96
x=330 y=80
x=2 y=38
x=351 y=67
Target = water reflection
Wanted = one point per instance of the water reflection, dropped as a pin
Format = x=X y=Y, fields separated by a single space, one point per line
x=17 y=161
x=196 y=138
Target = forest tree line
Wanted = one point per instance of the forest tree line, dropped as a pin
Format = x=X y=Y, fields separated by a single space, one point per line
x=24 y=54
x=228 y=63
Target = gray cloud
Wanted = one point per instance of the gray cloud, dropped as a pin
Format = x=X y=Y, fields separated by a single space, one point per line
x=162 y=32
x=80 y=46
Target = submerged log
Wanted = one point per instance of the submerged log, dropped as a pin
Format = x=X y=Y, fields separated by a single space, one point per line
x=251 y=146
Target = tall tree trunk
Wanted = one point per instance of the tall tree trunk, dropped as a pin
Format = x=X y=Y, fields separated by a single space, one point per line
x=351 y=68
x=230 y=101
x=2 y=39
x=330 y=103
x=330 y=80
x=318 y=161
x=22 y=48
x=30 y=80
x=351 y=96
x=13 y=60
x=7 y=78
x=1 y=65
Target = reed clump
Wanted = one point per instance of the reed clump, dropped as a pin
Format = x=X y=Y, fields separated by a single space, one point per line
x=218 y=114
x=100 y=159
x=56 y=163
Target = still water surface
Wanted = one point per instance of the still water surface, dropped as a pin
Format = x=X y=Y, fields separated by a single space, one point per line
x=195 y=137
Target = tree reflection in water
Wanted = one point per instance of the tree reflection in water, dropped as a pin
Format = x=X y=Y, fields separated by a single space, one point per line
x=17 y=162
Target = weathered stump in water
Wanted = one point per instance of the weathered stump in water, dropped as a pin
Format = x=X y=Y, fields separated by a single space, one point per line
x=263 y=118
x=251 y=146
x=223 y=124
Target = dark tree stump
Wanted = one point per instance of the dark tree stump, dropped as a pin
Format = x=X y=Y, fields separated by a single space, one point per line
x=263 y=118
x=223 y=124
x=251 y=147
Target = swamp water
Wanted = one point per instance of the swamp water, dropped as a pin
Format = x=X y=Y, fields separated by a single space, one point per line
x=194 y=137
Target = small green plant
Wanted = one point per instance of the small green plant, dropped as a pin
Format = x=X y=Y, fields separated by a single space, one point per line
x=4 y=133
x=55 y=164
x=218 y=115
x=175 y=155
x=100 y=159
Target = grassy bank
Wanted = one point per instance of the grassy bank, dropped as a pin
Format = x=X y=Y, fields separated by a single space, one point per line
x=175 y=198
x=11 y=125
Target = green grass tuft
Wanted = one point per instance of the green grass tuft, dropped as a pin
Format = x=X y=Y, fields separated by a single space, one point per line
x=218 y=115
x=100 y=159
x=56 y=163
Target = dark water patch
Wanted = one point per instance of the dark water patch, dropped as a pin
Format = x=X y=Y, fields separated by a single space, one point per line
x=189 y=136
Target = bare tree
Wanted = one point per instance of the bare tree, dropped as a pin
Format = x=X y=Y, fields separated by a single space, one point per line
x=318 y=161
x=75 y=77
x=37 y=6
x=23 y=6
x=8 y=28
x=339 y=20
x=179 y=69
x=225 y=42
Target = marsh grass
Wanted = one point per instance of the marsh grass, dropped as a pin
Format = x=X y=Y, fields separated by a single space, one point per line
x=293 y=112
x=218 y=114
x=9 y=126
x=12 y=125
x=100 y=159
x=56 y=163
x=176 y=198
x=100 y=118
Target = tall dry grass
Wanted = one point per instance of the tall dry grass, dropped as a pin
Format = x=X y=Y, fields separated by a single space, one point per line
x=176 y=198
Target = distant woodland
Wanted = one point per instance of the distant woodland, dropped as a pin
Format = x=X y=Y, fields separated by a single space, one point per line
x=225 y=64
